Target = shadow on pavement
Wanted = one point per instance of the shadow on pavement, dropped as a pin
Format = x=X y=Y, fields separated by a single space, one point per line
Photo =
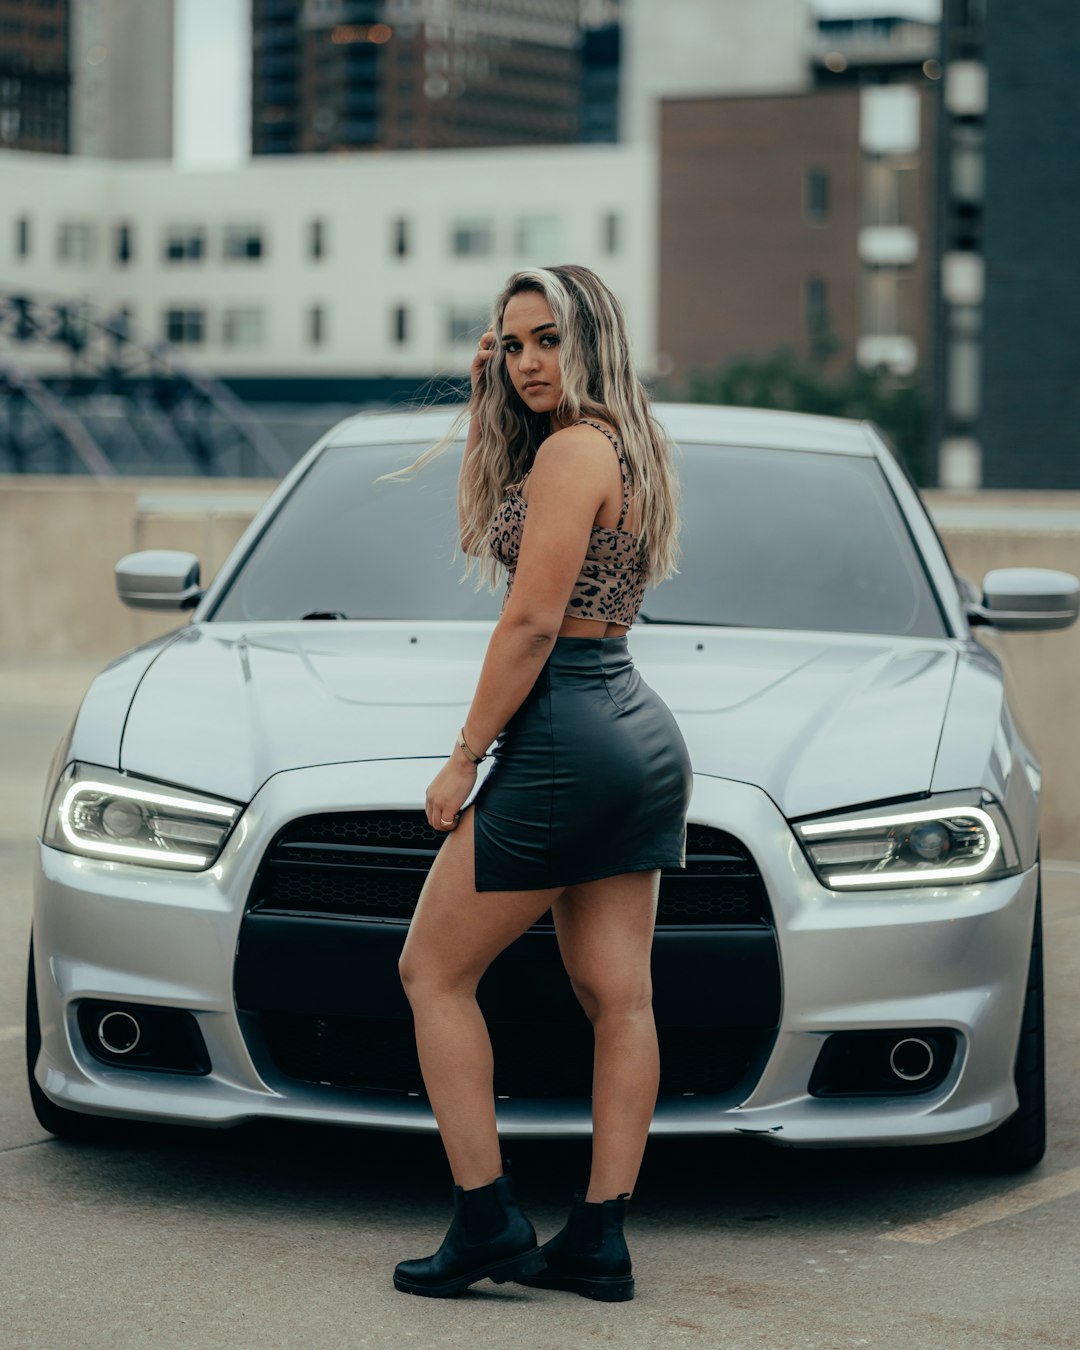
x=700 y=1183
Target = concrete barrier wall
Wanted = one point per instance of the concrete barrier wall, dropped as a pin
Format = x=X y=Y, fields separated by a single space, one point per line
x=60 y=537
x=1030 y=530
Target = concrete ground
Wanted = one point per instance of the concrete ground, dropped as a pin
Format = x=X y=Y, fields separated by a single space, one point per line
x=271 y=1239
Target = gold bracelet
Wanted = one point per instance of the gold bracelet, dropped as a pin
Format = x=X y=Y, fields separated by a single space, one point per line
x=465 y=746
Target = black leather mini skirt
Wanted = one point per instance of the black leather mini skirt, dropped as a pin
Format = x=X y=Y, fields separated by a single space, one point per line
x=591 y=777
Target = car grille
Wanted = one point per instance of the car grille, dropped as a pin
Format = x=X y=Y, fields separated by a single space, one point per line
x=530 y=1060
x=372 y=865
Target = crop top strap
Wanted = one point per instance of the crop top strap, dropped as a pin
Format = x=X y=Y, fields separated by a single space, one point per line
x=587 y=422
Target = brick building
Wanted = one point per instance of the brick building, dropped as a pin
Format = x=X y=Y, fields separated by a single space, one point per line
x=784 y=217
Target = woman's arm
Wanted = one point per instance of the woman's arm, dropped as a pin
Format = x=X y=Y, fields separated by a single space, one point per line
x=567 y=487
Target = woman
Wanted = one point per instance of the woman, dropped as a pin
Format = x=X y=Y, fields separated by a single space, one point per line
x=567 y=483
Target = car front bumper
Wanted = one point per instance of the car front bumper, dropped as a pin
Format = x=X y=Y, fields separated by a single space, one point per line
x=948 y=957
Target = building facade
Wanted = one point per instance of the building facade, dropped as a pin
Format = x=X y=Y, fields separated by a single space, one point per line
x=803 y=221
x=346 y=75
x=314 y=274
x=1009 y=409
x=705 y=48
x=122 y=58
x=35 y=76
x=860 y=49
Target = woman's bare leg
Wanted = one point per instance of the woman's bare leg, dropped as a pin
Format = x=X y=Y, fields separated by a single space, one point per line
x=605 y=931
x=455 y=935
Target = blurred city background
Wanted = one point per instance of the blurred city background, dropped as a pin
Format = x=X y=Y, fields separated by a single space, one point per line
x=224 y=223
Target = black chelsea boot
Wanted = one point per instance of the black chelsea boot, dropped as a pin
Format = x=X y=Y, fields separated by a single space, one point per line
x=589 y=1256
x=490 y=1238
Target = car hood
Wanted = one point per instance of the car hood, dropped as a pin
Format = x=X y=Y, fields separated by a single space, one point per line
x=817 y=720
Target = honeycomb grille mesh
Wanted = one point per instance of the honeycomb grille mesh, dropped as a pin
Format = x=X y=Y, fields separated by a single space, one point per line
x=372 y=865
x=530 y=1060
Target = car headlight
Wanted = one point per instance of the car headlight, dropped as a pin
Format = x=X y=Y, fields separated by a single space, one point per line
x=113 y=816
x=947 y=840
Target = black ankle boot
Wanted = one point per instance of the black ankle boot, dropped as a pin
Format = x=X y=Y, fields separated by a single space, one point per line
x=589 y=1256
x=489 y=1238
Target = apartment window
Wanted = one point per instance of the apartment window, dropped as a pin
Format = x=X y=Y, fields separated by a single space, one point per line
x=472 y=238
x=10 y=123
x=816 y=200
x=465 y=325
x=401 y=237
x=124 y=244
x=964 y=362
x=185 y=243
x=400 y=325
x=887 y=302
x=317 y=239
x=242 y=326
x=185 y=326
x=243 y=242
x=815 y=303
x=316 y=325
x=889 y=192
x=610 y=232
x=75 y=241
x=22 y=237
x=967 y=162
x=538 y=238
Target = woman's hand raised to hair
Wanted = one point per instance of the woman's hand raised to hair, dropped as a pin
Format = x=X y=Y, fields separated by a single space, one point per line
x=485 y=350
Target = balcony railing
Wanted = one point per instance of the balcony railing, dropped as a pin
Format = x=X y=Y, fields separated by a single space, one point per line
x=869 y=42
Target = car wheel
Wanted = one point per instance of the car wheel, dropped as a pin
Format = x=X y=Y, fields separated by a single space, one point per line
x=1020 y=1142
x=65 y=1124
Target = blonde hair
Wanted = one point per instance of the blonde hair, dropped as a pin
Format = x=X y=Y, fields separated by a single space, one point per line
x=598 y=380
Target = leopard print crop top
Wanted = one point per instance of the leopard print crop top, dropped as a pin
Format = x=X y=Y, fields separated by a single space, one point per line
x=613 y=577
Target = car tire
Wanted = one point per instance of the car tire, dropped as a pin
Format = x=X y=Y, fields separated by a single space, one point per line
x=73 y=1125
x=1020 y=1142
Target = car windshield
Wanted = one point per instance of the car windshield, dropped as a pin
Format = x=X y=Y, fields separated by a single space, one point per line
x=770 y=539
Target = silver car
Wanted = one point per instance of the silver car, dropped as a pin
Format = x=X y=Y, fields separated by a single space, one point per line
x=233 y=842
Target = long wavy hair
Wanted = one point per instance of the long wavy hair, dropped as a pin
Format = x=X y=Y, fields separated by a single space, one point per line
x=598 y=380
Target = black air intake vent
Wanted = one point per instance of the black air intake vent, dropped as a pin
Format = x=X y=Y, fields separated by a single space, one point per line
x=372 y=864
x=530 y=1061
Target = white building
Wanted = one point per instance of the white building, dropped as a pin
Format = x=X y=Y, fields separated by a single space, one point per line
x=704 y=48
x=326 y=266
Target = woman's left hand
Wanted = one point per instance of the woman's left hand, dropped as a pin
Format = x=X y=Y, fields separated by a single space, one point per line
x=447 y=792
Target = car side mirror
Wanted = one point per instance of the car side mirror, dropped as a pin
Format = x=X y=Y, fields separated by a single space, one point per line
x=159 y=578
x=1026 y=600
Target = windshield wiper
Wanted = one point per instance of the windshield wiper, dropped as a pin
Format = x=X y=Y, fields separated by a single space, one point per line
x=324 y=614
x=685 y=623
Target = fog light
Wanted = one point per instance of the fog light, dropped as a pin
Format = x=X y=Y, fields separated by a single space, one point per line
x=119 y=1033
x=141 y=1036
x=911 y=1059
x=883 y=1063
